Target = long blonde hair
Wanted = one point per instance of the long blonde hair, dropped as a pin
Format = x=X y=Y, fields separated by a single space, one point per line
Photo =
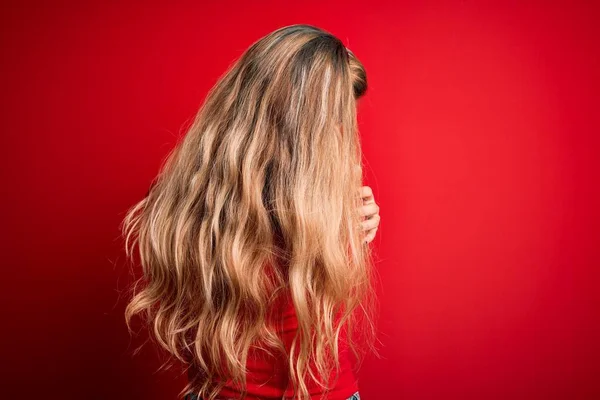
x=261 y=196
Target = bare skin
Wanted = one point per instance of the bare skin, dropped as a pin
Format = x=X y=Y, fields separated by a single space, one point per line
x=370 y=210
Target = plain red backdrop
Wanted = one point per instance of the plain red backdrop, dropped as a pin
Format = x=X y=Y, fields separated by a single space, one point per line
x=480 y=128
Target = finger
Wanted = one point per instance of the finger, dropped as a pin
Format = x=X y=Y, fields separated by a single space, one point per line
x=366 y=193
x=371 y=223
x=369 y=210
x=370 y=236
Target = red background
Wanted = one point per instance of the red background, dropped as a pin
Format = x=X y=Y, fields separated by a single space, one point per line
x=480 y=129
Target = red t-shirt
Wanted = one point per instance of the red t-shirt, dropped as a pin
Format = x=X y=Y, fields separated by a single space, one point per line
x=267 y=376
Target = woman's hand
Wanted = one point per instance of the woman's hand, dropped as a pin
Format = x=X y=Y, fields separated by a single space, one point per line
x=370 y=210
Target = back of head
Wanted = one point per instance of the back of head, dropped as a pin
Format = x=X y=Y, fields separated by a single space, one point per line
x=260 y=196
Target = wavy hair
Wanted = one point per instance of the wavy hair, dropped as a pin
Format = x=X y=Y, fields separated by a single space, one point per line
x=261 y=197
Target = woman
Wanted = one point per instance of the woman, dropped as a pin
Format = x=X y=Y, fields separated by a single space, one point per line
x=253 y=238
